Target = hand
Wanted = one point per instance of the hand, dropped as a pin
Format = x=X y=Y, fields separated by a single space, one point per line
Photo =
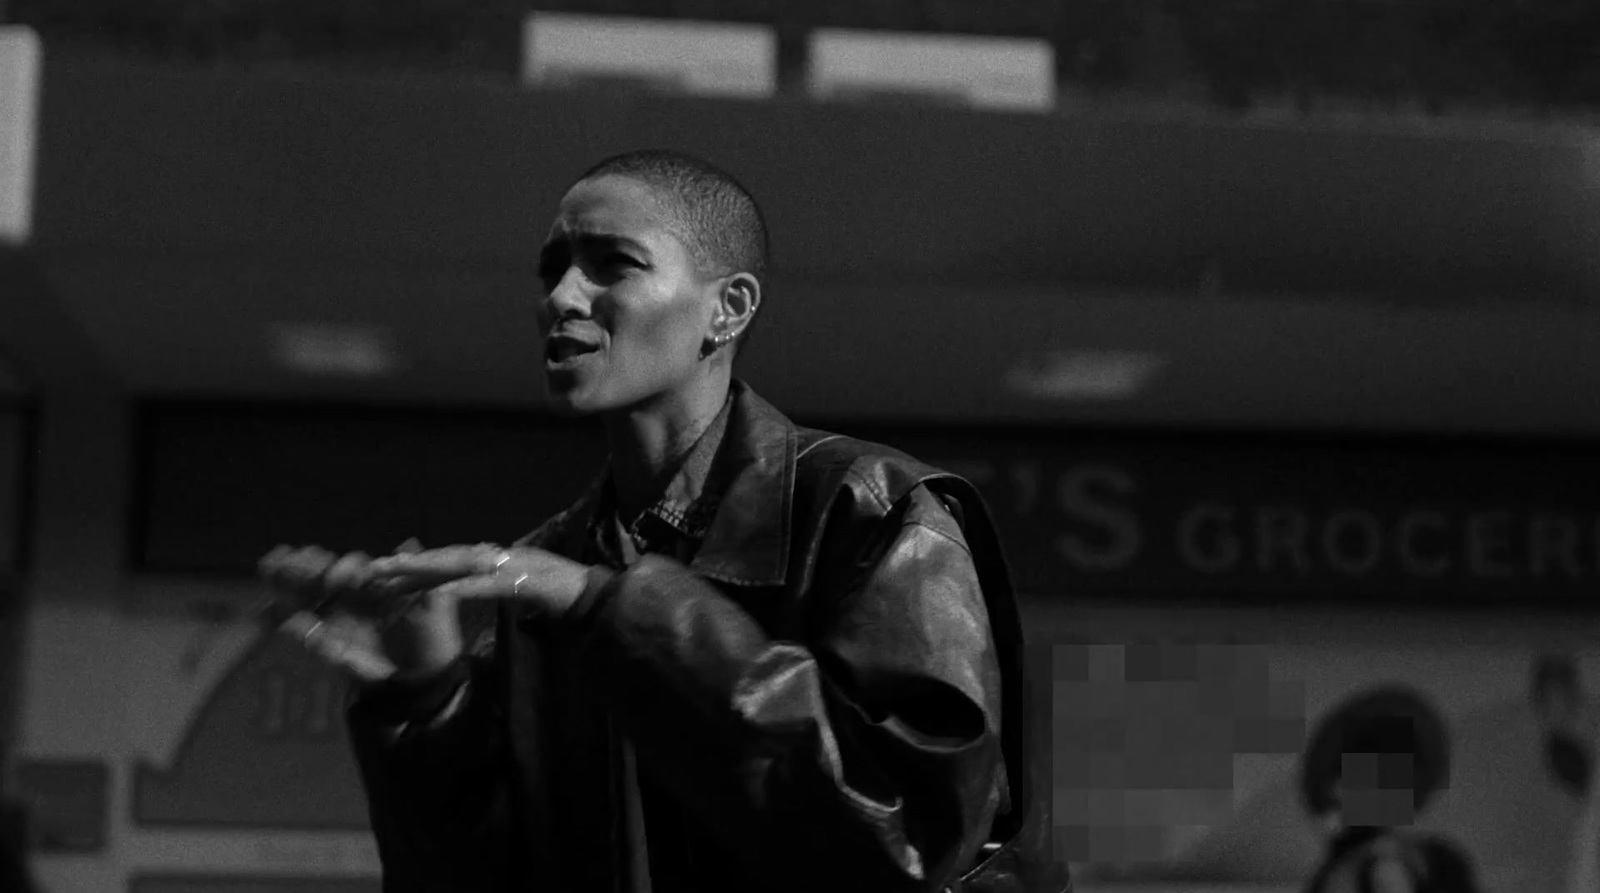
x=326 y=603
x=343 y=641
x=544 y=580
x=311 y=578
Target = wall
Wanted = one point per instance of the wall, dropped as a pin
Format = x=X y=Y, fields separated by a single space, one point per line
x=118 y=666
x=215 y=161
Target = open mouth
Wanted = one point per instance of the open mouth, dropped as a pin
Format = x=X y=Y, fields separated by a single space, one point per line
x=560 y=351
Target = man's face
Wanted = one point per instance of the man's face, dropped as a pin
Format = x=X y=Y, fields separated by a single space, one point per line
x=626 y=309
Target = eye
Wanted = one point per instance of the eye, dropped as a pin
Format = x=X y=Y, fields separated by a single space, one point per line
x=550 y=276
x=553 y=264
x=610 y=266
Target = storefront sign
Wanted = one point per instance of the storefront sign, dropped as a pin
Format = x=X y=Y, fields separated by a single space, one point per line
x=1202 y=516
x=1080 y=512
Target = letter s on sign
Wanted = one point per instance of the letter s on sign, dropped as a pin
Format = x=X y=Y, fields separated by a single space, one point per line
x=1088 y=494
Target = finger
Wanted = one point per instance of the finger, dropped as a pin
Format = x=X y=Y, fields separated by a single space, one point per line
x=482 y=587
x=441 y=565
x=457 y=560
x=295 y=580
x=368 y=666
x=330 y=641
x=269 y=562
x=301 y=626
x=301 y=569
x=347 y=631
x=410 y=547
x=353 y=645
x=272 y=564
x=346 y=575
x=399 y=588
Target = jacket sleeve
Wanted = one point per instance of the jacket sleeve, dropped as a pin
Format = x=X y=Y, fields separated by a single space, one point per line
x=433 y=762
x=865 y=757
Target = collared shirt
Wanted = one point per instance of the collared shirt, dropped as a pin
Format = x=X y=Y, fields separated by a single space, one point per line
x=676 y=523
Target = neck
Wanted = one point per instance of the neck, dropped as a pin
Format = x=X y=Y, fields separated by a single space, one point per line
x=649 y=442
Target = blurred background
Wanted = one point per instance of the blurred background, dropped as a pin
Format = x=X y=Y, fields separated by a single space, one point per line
x=1267 y=328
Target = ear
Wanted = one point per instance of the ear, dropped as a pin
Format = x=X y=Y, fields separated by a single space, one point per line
x=737 y=304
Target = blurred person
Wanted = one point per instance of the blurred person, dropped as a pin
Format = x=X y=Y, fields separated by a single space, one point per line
x=1371 y=767
x=1558 y=708
x=752 y=657
x=1568 y=738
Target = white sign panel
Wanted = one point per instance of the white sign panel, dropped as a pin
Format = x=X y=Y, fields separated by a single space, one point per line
x=707 y=58
x=988 y=72
x=20 y=57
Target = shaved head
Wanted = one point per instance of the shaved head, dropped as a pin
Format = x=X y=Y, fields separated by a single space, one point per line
x=716 y=217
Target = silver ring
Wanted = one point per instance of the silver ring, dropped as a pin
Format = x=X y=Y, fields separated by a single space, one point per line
x=305 y=637
x=517 y=586
x=505 y=555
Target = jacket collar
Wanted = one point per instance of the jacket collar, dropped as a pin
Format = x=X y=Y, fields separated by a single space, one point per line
x=747 y=542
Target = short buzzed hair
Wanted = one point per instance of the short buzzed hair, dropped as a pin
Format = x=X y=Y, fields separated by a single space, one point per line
x=721 y=224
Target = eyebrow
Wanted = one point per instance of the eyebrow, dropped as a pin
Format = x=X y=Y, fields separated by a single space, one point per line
x=590 y=240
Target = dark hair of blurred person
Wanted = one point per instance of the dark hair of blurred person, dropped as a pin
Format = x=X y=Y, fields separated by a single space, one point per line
x=1372 y=766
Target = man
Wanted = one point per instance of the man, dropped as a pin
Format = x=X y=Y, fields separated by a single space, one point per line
x=752 y=657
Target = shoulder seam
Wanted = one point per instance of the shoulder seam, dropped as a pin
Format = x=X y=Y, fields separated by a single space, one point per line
x=961 y=544
x=816 y=443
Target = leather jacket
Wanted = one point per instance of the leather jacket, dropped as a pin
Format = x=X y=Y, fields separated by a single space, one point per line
x=831 y=694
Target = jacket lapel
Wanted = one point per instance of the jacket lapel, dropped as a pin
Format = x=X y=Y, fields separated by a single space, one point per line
x=747 y=543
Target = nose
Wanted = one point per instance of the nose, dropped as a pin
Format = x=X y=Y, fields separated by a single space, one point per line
x=568 y=299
